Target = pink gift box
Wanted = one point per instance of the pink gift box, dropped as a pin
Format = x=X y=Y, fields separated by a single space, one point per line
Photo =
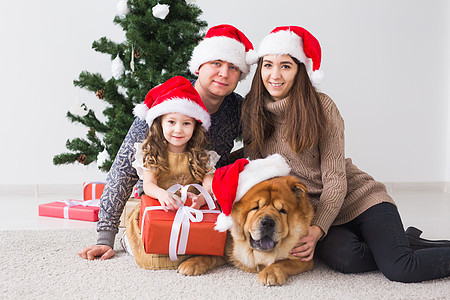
x=60 y=209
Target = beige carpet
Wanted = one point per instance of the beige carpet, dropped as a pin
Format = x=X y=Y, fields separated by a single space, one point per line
x=44 y=265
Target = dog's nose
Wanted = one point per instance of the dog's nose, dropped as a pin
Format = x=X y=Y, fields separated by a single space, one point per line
x=267 y=223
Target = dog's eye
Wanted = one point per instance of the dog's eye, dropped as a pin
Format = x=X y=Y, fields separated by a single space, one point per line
x=283 y=211
x=255 y=208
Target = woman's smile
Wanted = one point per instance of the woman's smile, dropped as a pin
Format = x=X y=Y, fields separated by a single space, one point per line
x=276 y=84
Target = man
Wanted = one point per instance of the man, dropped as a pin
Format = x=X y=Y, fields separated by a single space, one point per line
x=220 y=61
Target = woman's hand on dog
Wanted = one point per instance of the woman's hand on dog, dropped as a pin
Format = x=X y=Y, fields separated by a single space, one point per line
x=307 y=244
x=91 y=252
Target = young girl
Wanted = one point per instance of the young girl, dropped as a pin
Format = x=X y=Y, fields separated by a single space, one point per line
x=357 y=227
x=173 y=153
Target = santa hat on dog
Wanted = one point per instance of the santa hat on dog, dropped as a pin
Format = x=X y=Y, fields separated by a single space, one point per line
x=297 y=42
x=227 y=43
x=230 y=183
x=176 y=95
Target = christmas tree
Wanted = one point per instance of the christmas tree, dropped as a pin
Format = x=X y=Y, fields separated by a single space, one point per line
x=160 y=36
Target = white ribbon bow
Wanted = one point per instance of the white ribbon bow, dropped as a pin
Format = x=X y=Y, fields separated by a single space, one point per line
x=70 y=203
x=183 y=217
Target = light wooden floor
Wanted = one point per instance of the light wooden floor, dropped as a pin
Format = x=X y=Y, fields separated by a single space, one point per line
x=427 y=209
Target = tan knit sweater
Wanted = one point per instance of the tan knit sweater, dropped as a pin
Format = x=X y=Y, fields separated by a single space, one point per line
x=338 y=190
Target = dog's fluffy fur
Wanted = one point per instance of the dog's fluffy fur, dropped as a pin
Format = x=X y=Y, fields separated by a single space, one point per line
x=268 y=222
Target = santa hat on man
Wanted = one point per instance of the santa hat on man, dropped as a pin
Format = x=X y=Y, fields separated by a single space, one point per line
x=176 y=95
x=230 y=183
x=227 y=43
x=297 y=42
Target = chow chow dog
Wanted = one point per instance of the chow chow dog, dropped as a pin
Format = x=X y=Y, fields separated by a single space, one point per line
x=268 y=222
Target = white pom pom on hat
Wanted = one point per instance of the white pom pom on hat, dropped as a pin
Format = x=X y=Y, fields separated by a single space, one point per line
x=297 y=42
x=232 y=182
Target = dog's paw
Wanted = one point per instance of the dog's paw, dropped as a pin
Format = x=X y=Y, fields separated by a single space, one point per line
x=194 y=266
x=272 y=275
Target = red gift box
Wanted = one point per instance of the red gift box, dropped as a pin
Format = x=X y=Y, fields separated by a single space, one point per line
x=70 y=210
x=92 y=190
x=156 y=229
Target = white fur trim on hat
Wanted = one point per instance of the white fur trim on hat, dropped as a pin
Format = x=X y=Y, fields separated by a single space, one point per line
x=259 y=170
x=179 y=105
x=219 y=48
x=284 y=42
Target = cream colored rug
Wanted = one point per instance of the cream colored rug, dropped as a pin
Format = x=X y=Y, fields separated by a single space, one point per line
x=44 y=265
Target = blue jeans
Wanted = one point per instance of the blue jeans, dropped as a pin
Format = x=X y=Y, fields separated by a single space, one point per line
x=376 y=240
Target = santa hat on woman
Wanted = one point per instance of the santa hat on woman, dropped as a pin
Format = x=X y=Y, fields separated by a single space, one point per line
x=176 y=95
x=230 y=183
x=227 y=43
x=297 y=42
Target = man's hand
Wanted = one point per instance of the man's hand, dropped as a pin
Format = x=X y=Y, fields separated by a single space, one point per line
x=91 y=252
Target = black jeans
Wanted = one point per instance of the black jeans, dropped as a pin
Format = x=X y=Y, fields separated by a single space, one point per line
x=376 y=240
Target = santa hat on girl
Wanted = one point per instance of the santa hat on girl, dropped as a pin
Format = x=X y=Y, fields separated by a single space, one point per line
x=176 y=95
x=297 y=42
x=227 y=43
x=230 y=183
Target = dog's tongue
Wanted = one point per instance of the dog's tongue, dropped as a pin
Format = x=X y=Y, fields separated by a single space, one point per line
x=266 y=243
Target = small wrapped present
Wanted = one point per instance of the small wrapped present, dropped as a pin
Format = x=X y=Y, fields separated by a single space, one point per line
x=186 y=231
x=135 y=193
x=92 y=190
x=71 y=209
x=129 y=206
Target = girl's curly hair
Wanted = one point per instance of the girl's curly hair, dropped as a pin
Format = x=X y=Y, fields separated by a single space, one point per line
x=155 y=152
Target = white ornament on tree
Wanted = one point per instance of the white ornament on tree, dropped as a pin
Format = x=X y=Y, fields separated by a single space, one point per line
x=191 y=1
x=160 y=11
x=122 y=7
x=117 y=68
x=102 y=157
x=78 y=108
x=132 y=59
x=122 y=90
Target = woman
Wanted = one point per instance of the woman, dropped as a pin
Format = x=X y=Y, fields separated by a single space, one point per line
x=357 y=227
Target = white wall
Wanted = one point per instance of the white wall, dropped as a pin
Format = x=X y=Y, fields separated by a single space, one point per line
x=386 y=62
x=45 y=45
x=448 y=100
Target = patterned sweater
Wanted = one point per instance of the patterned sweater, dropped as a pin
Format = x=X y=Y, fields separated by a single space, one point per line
x=122 y=177
x=338 y=190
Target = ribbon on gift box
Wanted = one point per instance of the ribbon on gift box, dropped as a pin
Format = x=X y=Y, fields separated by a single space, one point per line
x=70 y=203
x=94 y=189
x=183 y=217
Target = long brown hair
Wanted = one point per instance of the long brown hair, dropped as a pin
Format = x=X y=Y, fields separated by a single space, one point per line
x=305 y=114
x=155 y=152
